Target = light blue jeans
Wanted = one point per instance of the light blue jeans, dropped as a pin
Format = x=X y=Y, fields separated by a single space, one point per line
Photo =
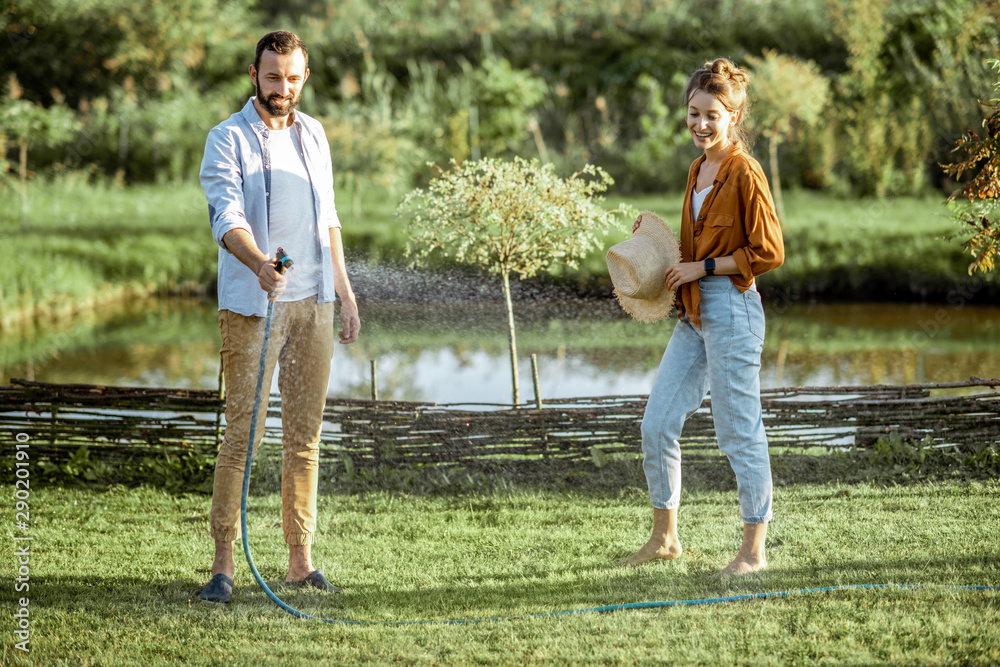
x=722 y=356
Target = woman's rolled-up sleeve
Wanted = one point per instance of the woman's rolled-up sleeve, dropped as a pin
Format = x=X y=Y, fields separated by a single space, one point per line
x=765 y=249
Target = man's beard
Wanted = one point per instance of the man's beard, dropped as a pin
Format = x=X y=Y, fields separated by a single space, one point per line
x=276 y=108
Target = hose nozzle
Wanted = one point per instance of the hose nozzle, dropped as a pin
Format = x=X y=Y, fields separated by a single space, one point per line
x=282 y=262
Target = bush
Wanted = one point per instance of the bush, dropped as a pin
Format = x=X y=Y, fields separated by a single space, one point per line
x=185 y=472
x=893 y=459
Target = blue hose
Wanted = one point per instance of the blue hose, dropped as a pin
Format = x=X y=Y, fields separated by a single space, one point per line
x=589 y=610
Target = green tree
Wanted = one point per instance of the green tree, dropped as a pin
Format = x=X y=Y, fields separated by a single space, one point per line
x=140 y=58
x=366 y=144
x=25 y=123
x=663 y=128
x=508 y=217
x=789 y=93
x=935 y=56
x=975 y=204
x=473 y=110
x=504 y=98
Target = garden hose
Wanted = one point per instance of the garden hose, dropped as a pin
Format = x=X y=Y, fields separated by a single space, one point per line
x=282 y=263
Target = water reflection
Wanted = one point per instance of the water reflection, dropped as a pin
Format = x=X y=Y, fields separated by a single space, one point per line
x=457 y=352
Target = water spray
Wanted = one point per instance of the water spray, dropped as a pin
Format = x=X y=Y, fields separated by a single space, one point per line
x=282 y=263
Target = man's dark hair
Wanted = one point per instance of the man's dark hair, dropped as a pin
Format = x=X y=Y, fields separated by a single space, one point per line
x=281 y=42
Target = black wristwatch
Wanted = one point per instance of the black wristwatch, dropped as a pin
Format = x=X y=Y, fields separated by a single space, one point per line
x=710 y=266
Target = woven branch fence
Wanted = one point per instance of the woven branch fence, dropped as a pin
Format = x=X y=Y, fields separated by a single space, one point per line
x=124 y=422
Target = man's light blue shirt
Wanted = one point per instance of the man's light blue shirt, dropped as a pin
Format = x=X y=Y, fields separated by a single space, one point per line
x=236 y=177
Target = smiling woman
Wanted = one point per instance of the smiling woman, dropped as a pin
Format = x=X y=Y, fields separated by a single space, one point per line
x=710 y=123
x=729 y=235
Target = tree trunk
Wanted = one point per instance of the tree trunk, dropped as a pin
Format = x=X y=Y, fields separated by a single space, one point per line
x=511 y=337
x=536 y=131
x=356 y=199
x=122 y=147
x=156 y=156
x=775 y=179
x=24 y=182
x=475 y=150
x=4 y=165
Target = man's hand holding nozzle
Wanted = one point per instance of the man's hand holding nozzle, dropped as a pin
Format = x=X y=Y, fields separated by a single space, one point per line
x=271 y=279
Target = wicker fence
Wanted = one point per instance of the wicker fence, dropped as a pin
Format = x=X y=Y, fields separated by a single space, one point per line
x=120 y=423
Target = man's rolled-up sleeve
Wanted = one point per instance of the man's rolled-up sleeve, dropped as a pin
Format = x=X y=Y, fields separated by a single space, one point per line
x=221 y=178
x=332 y=220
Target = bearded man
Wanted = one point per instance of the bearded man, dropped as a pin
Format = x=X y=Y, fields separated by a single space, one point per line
x=268 y=178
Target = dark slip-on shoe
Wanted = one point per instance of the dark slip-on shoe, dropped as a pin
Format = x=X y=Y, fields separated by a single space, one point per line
x=218 y=589
x=318 y=581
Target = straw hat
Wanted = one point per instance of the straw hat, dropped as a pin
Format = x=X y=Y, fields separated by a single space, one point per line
x=637 y=266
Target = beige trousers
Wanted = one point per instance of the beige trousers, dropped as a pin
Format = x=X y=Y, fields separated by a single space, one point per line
x=301 y=344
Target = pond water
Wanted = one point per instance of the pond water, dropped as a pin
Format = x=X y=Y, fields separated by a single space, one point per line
x=456 y=351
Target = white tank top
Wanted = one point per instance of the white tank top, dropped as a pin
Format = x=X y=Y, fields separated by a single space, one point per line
x=697 y=199
x=292 y=219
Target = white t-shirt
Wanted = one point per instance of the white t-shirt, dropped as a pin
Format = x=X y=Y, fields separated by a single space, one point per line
x=697 y=199
x=292 y=219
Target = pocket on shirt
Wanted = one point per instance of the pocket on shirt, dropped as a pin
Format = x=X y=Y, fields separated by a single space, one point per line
x=719 y=220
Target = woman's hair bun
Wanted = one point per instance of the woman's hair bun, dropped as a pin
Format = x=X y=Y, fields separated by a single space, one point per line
x=726 y=68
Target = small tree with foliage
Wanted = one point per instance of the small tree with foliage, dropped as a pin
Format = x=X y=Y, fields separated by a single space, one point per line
x=787 y=92
x=508 y=217
x=974 y=205
x=26 y=123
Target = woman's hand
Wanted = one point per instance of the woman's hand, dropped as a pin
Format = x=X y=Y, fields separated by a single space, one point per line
x=683 y=272
x=635 y=227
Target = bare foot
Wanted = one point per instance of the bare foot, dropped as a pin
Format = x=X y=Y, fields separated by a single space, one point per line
x=744 y=565
x=750 y=557
x=662 y=544
x=653 y=550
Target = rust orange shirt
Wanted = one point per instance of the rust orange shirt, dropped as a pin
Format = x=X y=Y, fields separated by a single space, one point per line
x=738 y=219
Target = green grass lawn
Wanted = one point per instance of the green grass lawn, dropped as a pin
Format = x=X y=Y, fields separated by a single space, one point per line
x=114 y=578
